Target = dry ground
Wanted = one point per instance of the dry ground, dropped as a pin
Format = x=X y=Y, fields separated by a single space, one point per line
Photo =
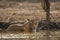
x=42 y=35
x=19 y=11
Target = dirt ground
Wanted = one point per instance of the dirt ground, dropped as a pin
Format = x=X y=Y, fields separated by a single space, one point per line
x=42 y=35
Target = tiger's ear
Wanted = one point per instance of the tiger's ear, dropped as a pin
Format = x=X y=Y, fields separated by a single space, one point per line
x=28 y=19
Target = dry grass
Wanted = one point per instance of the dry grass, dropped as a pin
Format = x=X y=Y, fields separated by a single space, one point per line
x=28 y=10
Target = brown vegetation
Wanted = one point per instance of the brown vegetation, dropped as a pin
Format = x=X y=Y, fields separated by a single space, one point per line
x=28 y=10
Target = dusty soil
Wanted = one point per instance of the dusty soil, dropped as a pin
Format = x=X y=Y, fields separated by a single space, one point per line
x=53 y=35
